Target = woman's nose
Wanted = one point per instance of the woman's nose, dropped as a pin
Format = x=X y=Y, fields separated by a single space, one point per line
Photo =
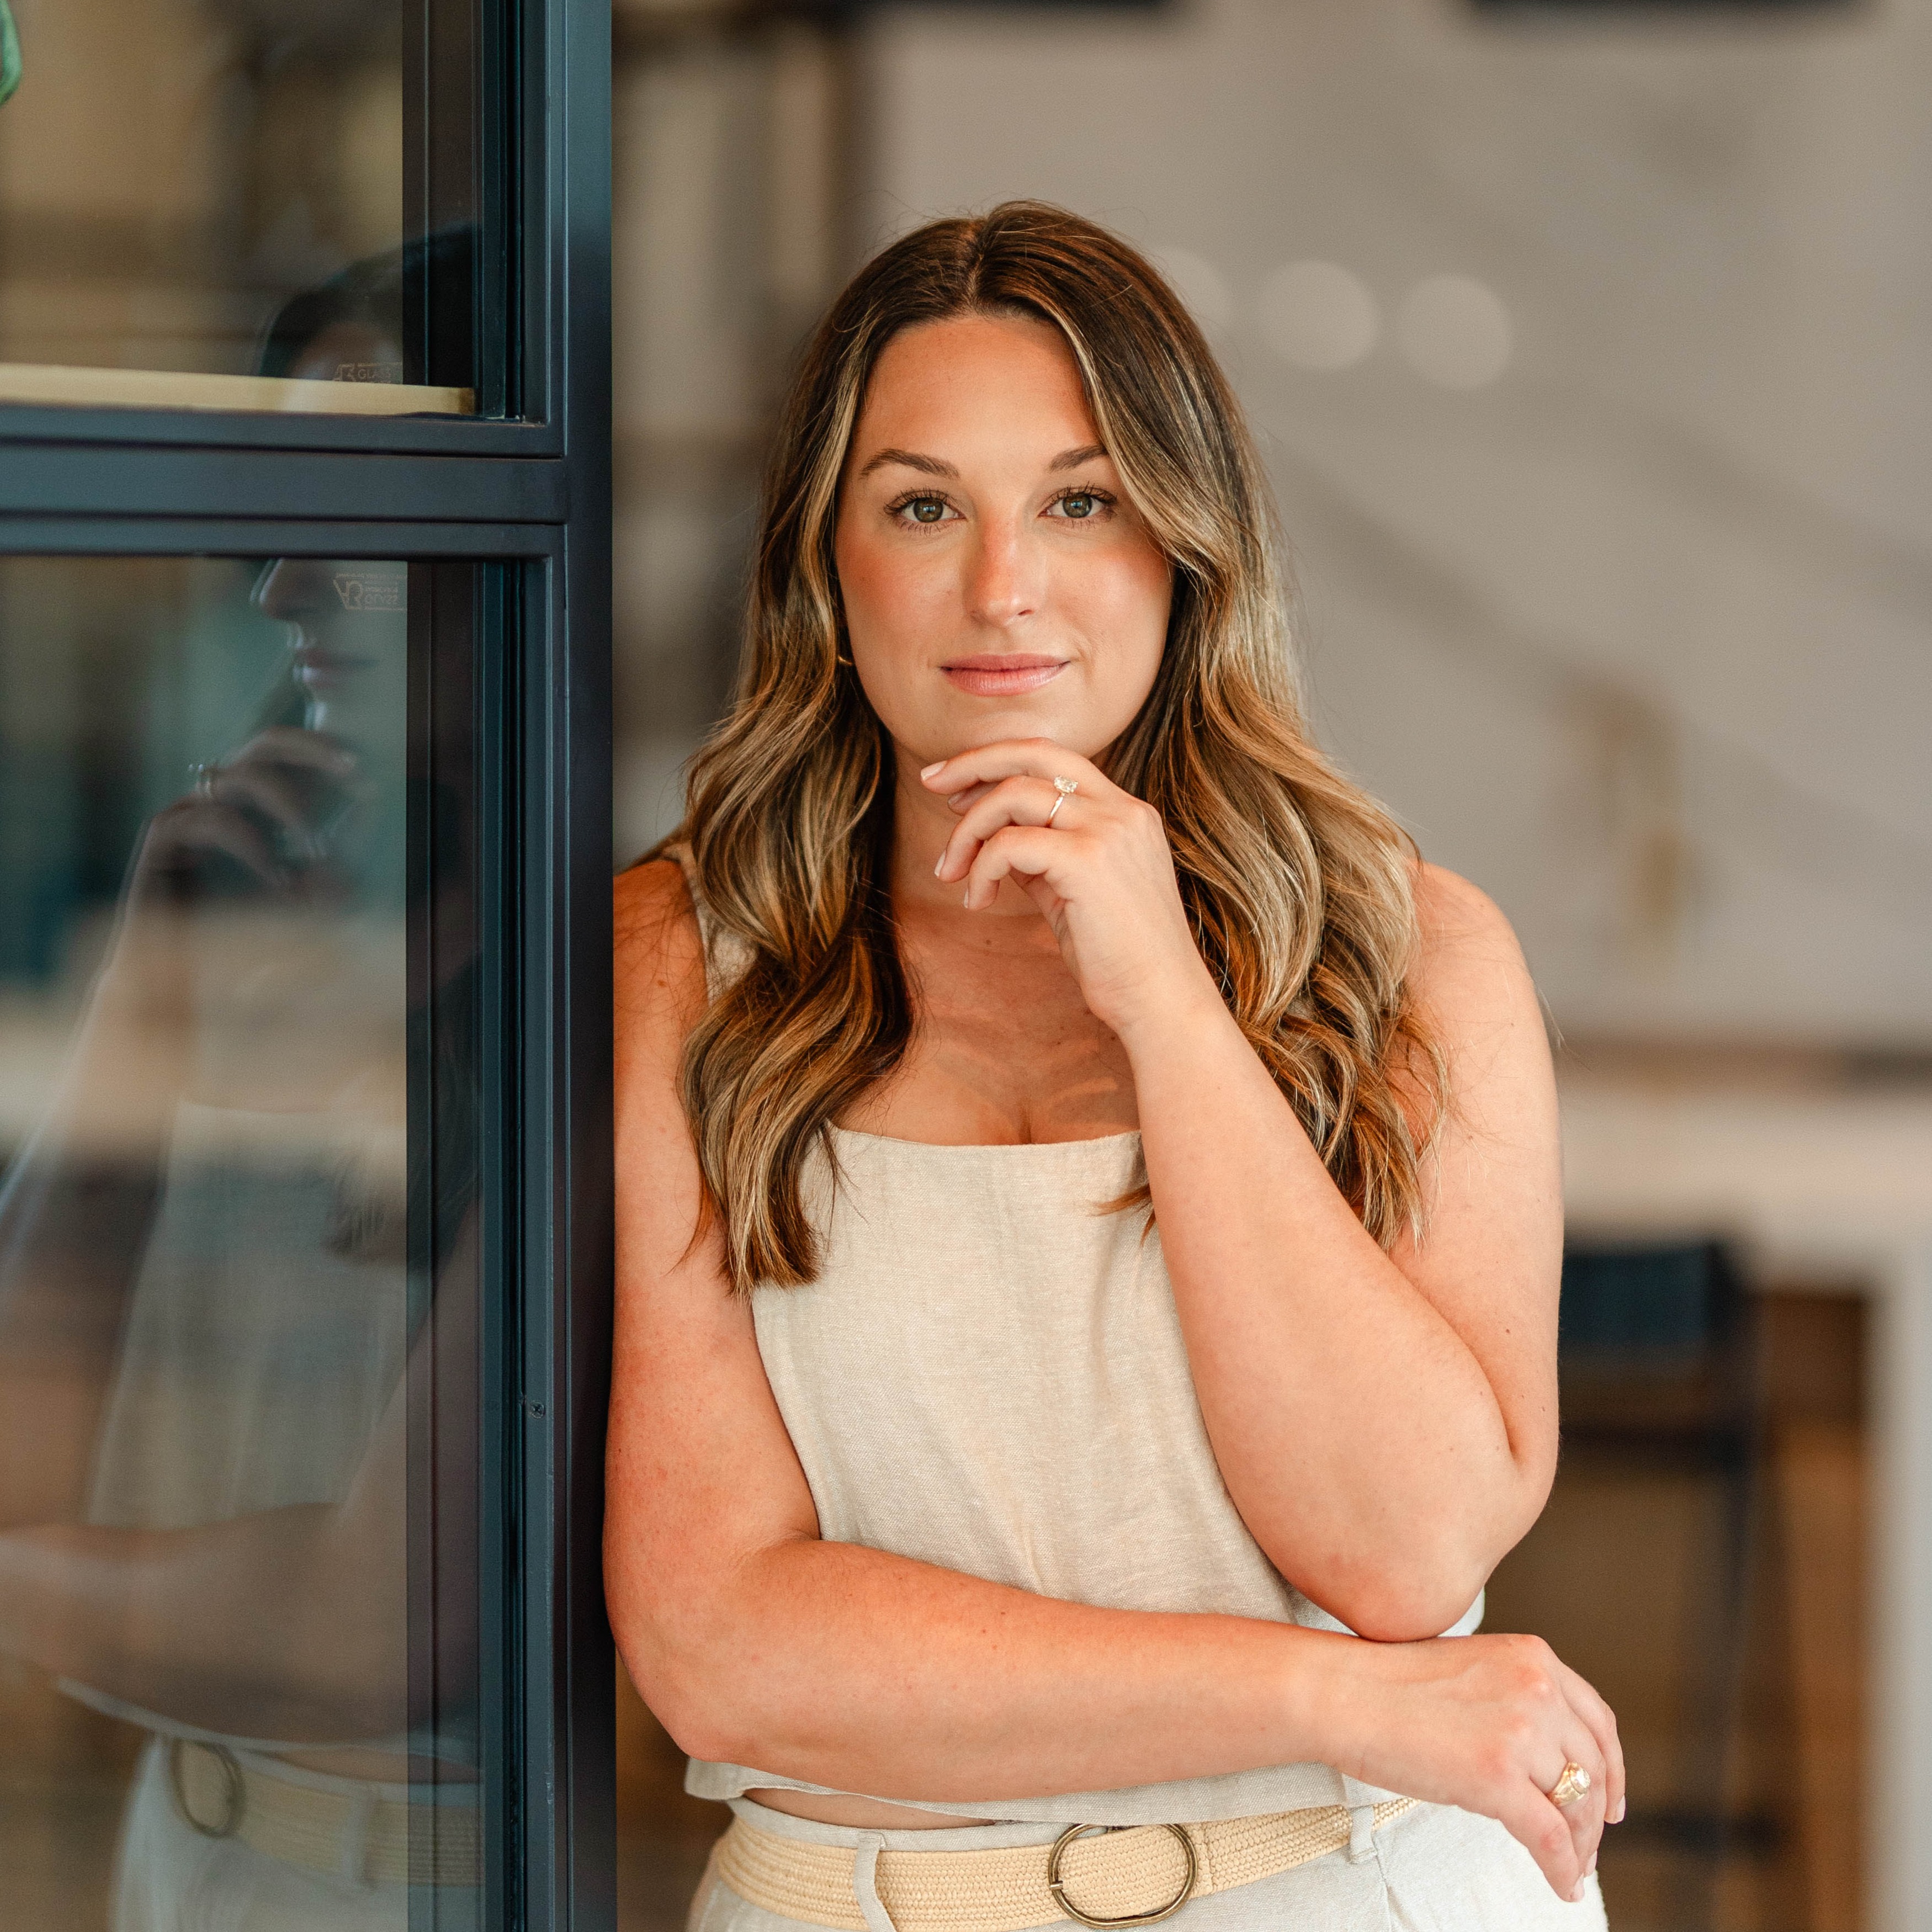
x=293 y=586
x=1006 y=581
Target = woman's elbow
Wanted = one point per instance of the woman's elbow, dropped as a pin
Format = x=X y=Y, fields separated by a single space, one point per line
x=691 y=1694
x=686 y=1654
x=1433 y=1580
x=1402 y=1600
x=694 y=1718
x=1404 y=1610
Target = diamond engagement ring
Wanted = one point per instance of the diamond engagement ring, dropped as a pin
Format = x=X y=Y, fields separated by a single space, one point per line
x=1573 y=1784
x=1067 y=787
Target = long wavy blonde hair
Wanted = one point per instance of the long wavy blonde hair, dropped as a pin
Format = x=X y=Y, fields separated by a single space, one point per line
x=1298 y=886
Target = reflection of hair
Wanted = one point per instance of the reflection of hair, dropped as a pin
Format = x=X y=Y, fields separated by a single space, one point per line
x=1298 y=886
x=419 y=296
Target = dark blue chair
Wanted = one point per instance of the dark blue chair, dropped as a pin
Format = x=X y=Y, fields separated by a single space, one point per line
x=1661 y=1363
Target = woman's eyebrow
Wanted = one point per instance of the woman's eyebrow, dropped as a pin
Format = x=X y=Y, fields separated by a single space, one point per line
x=910 y=459
x=935 y=466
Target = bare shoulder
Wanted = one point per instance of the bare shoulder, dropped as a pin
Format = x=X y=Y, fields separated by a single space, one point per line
x=659 y=958
x=1460 y=922
x=659 y=990
x=1469 y=961
x=1473 y=988
x=651 y=910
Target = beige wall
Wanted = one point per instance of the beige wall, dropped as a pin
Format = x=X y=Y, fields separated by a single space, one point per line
x=725 y=249
x=1635 y=634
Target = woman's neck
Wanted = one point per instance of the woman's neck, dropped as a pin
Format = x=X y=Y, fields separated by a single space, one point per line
x=922 y=822
x=1005 y=1049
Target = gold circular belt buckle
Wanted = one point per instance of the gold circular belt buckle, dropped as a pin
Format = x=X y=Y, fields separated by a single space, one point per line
x=234 y=1794
x=1056 y=1885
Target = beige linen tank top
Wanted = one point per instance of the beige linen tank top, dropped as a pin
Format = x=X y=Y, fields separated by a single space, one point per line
x=989 y=1374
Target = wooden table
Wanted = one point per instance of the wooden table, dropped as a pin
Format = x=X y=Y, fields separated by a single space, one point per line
x=1832 y=1187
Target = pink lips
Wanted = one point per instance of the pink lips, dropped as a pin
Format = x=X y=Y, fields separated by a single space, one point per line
x=320 y=669
x=1003 y=675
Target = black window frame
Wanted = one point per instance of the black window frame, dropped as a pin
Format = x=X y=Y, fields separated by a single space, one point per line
x=530 y=500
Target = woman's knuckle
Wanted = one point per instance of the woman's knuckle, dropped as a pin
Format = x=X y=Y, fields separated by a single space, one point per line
x=1531 y=1680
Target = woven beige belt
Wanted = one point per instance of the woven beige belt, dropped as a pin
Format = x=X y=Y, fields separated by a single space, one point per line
x=1135 y=1876
x=355 y=1833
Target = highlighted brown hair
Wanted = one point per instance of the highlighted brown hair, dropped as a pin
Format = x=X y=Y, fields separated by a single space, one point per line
x=1300 y=887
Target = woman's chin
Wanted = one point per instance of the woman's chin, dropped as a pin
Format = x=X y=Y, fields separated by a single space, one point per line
x=994 y=721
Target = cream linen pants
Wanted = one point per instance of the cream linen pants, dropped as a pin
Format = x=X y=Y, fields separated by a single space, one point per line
x=1435 y=1869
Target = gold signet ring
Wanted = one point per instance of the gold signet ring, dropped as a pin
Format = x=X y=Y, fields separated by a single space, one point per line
x=1573 y=1784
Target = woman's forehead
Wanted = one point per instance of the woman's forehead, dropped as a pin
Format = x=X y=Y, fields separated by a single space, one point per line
x=975 y=384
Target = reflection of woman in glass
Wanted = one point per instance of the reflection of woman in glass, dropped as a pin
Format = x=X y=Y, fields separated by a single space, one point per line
x=958 y=1506
x=213 y=1312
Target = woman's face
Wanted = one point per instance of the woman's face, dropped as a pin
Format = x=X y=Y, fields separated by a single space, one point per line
x=348 y=633
x=998 y=583
x=348 y=620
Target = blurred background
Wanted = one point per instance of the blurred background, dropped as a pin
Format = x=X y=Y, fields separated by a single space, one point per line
x=1588 y=346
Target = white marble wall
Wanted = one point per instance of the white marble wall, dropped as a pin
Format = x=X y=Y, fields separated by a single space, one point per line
x=1633 y=629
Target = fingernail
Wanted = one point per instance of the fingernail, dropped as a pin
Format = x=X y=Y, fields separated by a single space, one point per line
x=939 y=865
x=968 y=901
x=1617 y=1815
x=931 y=768
x=1577 y=1897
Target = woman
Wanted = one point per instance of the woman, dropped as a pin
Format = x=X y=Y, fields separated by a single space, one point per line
x=1089 y=1215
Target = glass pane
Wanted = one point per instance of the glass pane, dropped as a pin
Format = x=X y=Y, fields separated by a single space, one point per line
x=238 y=1244
x=206 y=204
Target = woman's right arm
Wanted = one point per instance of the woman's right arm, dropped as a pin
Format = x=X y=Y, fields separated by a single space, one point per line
x=758 y=1643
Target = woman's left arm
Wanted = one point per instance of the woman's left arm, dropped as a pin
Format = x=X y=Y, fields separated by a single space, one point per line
x=1385 y=1422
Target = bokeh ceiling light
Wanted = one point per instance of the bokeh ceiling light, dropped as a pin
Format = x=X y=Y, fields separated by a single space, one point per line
x=1319 y=315
x=1198 y=283
x=1455 y=330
